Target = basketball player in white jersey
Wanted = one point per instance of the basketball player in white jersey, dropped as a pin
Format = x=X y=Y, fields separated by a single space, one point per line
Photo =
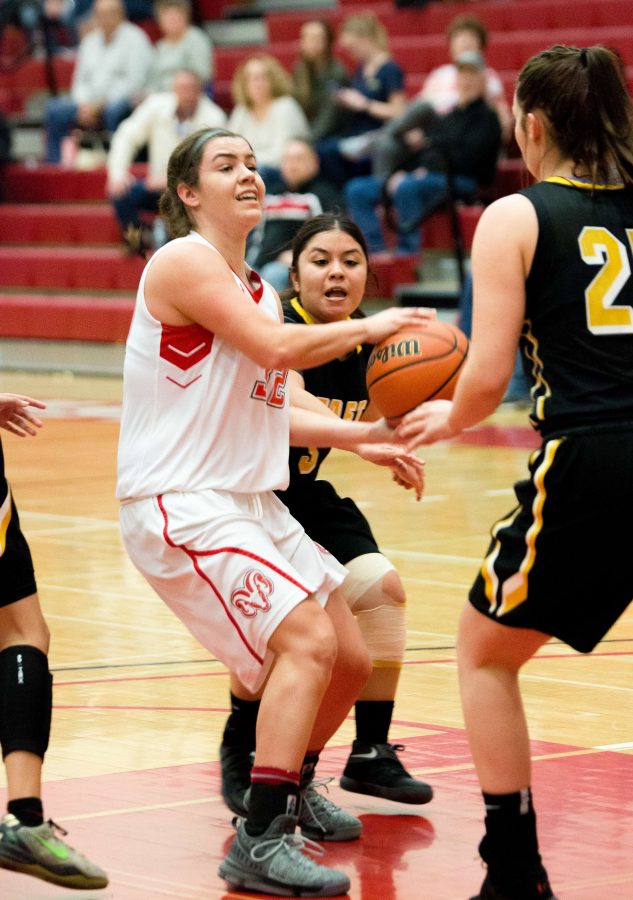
x=204 y=442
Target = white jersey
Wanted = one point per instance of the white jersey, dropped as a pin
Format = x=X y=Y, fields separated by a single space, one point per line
x=197 y=413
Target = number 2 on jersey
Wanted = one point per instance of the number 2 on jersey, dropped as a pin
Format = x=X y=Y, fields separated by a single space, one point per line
x=599 y=247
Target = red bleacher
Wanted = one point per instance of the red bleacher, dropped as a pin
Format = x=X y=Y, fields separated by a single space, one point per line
x=63 y=273
x=66 y=317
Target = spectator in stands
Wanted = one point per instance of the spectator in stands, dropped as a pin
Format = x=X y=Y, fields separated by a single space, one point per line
x=182 y=46
x=80 y=13
x=463 y=144
x=160 y=122
x=301 y=195
x=401 y=138
x=112 y=66
x=465 y=34
x=375 y=97
x=265 y=112
x=317 y=77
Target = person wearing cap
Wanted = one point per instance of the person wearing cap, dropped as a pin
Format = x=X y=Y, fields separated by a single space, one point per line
x=399 y=139
x=463 y=144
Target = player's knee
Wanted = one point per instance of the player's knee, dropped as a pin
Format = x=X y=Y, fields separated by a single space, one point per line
x=372 y=581
x=318 y=652
x=393 y=589
x=26 y=699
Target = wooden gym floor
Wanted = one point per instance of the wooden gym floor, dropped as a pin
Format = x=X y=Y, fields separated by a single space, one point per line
x=132 y=769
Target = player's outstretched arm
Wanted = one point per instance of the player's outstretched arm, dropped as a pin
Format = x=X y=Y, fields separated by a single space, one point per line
x=16 y=417
x=206 y=293
x=407 y=470
x=503 y=249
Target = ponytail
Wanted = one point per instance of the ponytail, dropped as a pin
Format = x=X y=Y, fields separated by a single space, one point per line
x=582 y=92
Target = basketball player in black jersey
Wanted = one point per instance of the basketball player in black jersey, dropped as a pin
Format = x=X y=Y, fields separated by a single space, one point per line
x=329 y=272
x=28 y=844
x=552 y=269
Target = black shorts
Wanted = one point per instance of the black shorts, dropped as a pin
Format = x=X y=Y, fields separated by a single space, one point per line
x=561 y=562
x=17 y=579
x=332 y=521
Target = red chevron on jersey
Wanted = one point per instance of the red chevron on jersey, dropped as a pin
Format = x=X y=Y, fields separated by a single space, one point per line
x=185 y=345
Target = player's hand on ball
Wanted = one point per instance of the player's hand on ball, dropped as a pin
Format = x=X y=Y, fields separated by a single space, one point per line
x=426 y=424
x=382 y=324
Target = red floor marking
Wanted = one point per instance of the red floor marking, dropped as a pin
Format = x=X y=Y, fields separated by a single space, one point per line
x=406 y=853
x=501 y=436
x=408 y=662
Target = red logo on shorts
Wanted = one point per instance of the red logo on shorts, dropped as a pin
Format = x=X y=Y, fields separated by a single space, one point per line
x=254 y=595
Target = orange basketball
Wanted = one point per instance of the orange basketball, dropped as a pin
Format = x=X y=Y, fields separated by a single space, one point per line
x=414 y=365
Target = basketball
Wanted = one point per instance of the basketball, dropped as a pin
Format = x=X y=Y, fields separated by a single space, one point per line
x=414 y=365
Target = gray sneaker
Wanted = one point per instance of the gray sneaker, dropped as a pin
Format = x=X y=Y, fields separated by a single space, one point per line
x=39 y=852
x=322 y=820
x=273 y=863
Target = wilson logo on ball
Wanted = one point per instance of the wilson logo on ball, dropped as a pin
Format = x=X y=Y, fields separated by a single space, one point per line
x=415 y=365
x=394 y=349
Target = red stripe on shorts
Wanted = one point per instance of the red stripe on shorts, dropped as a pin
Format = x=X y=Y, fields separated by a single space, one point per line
x=192 y=554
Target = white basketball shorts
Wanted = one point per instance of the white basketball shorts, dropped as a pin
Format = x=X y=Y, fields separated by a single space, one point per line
x=230 y=566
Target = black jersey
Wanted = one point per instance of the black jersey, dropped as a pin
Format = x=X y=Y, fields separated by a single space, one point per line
x=577 y=338
x=17 y=579
x=3 y=480
x=340 y=384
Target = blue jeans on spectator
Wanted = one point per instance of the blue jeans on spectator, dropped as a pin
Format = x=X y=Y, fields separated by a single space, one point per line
x=336 y=168
x=362 y=196
x=136 y=199
x=60 y=117
x=415 y=198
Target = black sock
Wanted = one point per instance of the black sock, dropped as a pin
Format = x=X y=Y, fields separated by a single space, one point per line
x=276 y=794
x=308 y=768
x=510 y=842
x=241 y=725
x=373 y=720
x=28 y=810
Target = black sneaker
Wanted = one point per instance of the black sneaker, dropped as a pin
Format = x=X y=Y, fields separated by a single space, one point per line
x=534 y=886
x=376 y=770
x=236 y=764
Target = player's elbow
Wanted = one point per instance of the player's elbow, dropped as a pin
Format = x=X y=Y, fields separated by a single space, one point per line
x=280 y=358
x=282 y=351
x=493 y=380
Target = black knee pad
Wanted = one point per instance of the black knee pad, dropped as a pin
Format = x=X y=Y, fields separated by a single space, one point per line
x=26 y=700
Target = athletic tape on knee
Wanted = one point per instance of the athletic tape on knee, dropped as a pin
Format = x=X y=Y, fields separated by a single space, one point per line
x=363 y=585
x=26 y=699
x=384 y=631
